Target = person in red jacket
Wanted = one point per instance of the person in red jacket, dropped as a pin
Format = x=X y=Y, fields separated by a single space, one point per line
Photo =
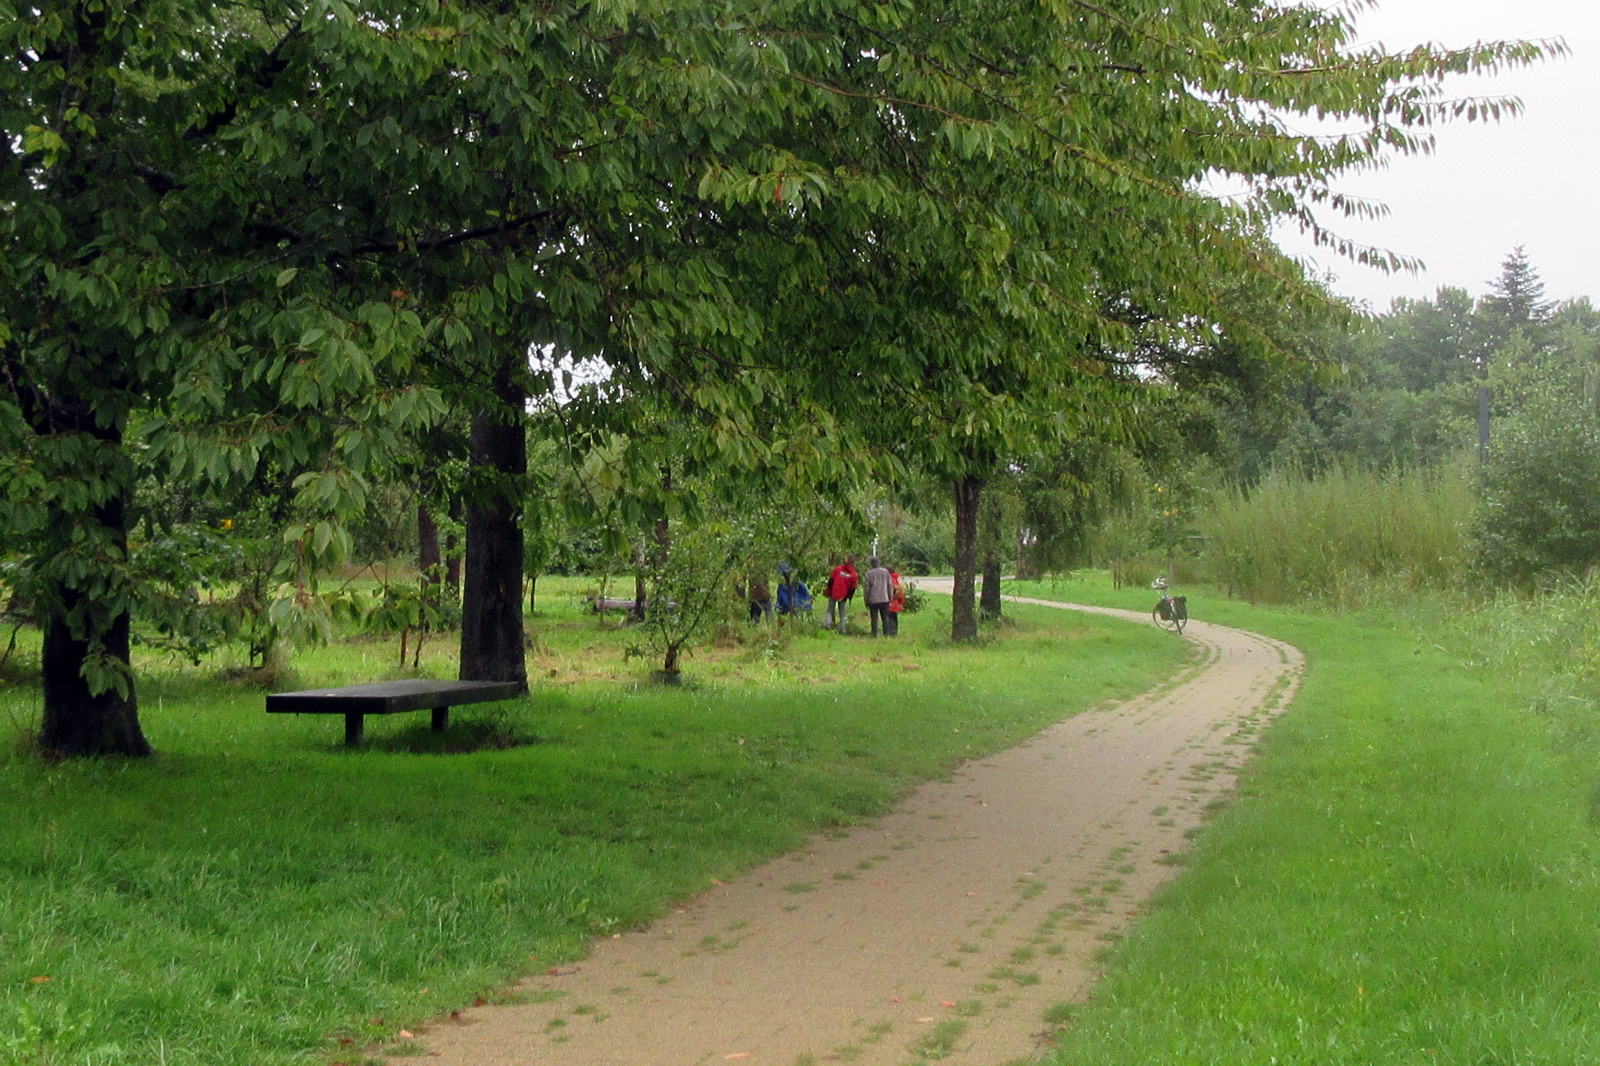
x=841 y=587
x=897 y=603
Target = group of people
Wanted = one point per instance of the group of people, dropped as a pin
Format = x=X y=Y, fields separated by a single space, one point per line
x=793 y=595
x=880 y=589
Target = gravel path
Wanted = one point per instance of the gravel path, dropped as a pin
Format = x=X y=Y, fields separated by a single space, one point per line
x=952 y=923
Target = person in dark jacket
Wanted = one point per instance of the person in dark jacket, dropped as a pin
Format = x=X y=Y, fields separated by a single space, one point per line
x=877 y=589
x=760 y=599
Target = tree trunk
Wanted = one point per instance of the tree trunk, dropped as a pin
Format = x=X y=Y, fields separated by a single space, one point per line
x=76 y=721
x=963 y=618
x=428 y=556
x=491 y=618
x=989 y=601
x=663 y=530
x=533 y=593
x=639 y=585
x=989 y=539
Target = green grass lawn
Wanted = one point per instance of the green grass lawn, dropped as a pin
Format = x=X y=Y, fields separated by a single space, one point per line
x=1408 y=875
x=256 y=895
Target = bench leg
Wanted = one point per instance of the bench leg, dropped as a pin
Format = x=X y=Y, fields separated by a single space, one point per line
x=441 y=718
x=352 y=730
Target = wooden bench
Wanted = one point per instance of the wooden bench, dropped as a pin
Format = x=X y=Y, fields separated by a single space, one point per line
x=391 y=697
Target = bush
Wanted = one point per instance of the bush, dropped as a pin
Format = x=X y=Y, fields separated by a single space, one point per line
x=916 y=599
x=1540 y=510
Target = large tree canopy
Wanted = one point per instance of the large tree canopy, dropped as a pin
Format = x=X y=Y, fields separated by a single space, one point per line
x=280 y=230
x=1012 y=206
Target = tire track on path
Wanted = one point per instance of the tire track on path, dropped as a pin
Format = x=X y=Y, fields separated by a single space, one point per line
x=956 y=920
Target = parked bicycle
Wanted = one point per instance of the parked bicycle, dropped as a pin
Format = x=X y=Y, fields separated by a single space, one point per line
x=1171 y=612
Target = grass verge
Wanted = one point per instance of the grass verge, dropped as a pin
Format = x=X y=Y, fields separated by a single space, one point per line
x=255 y=895
x=1408 y=874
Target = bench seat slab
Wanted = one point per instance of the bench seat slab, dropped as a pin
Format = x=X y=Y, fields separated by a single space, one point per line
x=391 y=697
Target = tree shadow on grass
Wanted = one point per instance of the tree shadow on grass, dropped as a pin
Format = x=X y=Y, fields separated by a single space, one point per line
x=485 y=732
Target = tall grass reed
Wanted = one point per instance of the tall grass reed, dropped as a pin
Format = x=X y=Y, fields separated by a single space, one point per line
x=1548 y=643
x=1341 y=536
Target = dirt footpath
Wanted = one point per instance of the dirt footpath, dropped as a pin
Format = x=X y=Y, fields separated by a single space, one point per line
x=950 y=925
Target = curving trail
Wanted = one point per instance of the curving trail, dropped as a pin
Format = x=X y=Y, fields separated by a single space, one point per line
x=959 y=918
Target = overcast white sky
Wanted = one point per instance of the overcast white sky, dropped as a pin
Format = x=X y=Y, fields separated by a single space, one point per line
x=1532 y=180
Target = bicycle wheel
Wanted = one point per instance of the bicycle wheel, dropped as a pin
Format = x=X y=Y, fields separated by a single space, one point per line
x=1169 y=620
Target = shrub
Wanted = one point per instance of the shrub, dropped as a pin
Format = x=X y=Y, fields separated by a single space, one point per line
x=1540 y=510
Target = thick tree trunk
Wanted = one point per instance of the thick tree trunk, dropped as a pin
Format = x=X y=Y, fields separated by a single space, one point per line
x=989 y=600
x=491 y=618
x=963 y=617
x=989 y=539
x=76 y=721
